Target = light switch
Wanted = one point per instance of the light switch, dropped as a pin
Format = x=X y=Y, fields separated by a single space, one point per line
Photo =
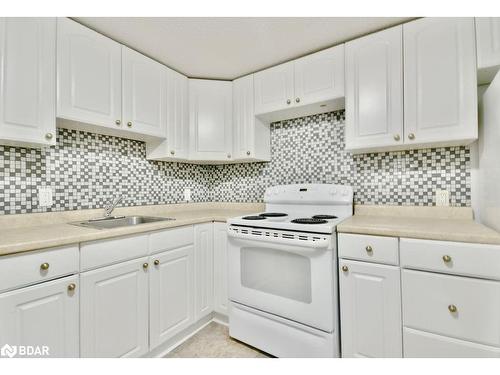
x=442 y=197
x=187 y=194
x=45 y=197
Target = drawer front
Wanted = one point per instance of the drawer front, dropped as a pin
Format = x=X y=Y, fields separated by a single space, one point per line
x=103 y=252
x=418 y=344
x=171 y=239
x=451 y=257
x=429 y=301
x=375 y=249
x=34 y=267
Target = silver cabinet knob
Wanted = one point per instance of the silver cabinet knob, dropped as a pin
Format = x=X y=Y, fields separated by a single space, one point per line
x=452 y=308
x=44 y=266
x=369 y=249
x=49 y=136
x=248 y=153
x=446 y=258
x=129 y=124
x=229 y=156
x=156 y=262
x=411 y=136
x=297 y=100
x=397 y=137
x=71 y=287
x=118 y=122
x=145 y=266
x=172 y=152
x=345 y=268
x=288 y=101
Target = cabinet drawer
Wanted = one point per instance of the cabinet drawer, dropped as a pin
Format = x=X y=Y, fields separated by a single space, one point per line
x=418 y=344
x=103 y=252
x=429 y=300
x=451 y=257
x=171 y=239
x=369 y=248
x=34 y=267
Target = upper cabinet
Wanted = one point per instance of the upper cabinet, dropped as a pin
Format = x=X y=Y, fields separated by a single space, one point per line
x=439 y=80
x=210 y=120
x=27 y=81
x=251 y=136
x=89 y=80
x=309 y=85
x=144 y=84
x=488 y=48
x=374 y=90
x=440 y=94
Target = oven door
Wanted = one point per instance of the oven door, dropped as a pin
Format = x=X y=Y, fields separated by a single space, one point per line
x=289 y=277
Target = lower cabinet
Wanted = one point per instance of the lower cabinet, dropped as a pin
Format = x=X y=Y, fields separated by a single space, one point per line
x=370 y=309
x=221 y=301
x=204 y=266
x=114 y=310
x=171 y=294
x=44 y=315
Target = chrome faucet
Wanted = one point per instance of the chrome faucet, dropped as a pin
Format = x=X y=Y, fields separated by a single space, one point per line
x=108 y=208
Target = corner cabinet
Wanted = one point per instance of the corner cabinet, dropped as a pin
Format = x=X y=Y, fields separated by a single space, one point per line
x=488 y=48
x=203 y=271
x=374 y=90
x=210 y=120
x=89 y=77
x=251 y=136
x=27 y=81
x=221 y=300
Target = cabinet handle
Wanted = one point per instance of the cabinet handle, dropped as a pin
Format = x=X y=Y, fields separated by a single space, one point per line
x=297 y=100
x=118 y=122
x=48 y=136
x=145 y=266
x=411 y=136
x=156 y=262
x=288 y=101
x=446 y=258
x=452 y=308
x=172 y=152
x=129 y=124
x=229 y=156
x=345 y=268
x=44 y=266
x=368 y=249
x=71 y=287
x=248 y=153
x=397 y=137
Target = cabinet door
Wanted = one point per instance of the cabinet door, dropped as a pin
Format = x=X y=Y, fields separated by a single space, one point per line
x=204 y=263
x=177 y=116
x=221 y=300
x=42 y=315
x=440 y=81
x=210 y=120
x=320 y=76
x=370 y=310
x=488 y=47
x=27 y=81
x=114 y=310
x=274 y=88
x=171 y=293
x=88 y=75
x=374 y=90
x=144 y=83
x=244 y=118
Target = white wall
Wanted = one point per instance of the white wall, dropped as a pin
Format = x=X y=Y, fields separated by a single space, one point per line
x=488 y=187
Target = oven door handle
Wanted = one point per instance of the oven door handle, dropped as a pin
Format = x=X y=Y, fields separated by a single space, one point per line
x=292 y=246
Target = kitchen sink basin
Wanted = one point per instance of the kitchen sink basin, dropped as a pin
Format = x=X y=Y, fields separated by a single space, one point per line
x=119 y=221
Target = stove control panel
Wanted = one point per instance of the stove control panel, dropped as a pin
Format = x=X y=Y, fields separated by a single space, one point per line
x=309 y=194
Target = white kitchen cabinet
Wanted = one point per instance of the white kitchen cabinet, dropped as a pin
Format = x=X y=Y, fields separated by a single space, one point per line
x=374 y=90
x=204 y=266
x=42 y=315
x=274 y=88
x=210 y=120
x=144 y=93
x=488 y=48
x=251 y=136
x=89 y=82
x=114 y=310
x=171 y=293
x=221 y=301
x=176 y=146
x=440 y=85
x=27 y=81
x=370 y=310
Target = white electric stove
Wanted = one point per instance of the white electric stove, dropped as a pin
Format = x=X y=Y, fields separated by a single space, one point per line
x=282 y=271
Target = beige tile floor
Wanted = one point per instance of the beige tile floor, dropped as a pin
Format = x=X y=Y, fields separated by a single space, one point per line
x=213 y=341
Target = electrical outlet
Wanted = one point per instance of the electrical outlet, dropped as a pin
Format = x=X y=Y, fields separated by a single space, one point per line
x=442 y=197
x=45 y=197
x=187 y=194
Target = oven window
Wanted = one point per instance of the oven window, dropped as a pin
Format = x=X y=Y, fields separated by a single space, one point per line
x=276 y=272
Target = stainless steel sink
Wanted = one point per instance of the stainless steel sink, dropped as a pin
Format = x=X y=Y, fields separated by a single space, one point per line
x=119 y=221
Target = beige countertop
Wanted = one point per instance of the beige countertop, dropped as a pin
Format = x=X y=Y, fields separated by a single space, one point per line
x=433 y=223
x=26 y=232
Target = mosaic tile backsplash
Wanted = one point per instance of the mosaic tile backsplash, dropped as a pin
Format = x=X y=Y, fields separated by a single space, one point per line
x=85 y=170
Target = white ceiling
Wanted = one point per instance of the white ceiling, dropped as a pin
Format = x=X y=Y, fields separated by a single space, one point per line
x=226 y=48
